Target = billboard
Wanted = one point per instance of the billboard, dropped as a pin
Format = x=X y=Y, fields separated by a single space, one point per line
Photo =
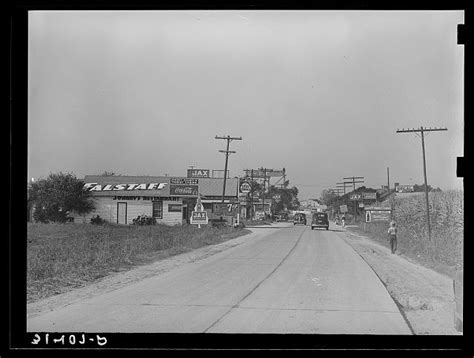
x=225 y=209
x=184 y=181
x=199 y=173
x=369 y=196
x=405 y=188
x=377 y=214
x=260 y=173
x=355 y=196
x=183 y=190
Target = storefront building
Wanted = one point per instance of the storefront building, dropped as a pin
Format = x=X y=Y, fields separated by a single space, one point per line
x=170 y=200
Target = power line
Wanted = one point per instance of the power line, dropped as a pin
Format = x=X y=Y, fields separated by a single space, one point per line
x=422 y=131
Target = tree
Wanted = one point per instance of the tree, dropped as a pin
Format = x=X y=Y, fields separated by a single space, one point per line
x=288 y=198
x=109 y=174
x=57 y=195
x=328 y=197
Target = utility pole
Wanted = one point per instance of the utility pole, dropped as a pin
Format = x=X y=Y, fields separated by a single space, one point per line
x=251 y=196
x=336 y=191
x=264 y=180
x=422 y=131
x=354 y=181
x=227 y=152
x=388 y=178
x=344 y=185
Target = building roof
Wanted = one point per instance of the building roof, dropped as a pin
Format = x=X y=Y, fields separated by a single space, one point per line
x=206 y=186
x=214 y=186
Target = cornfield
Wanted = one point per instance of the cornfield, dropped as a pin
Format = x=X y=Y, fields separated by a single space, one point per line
x=447 y=226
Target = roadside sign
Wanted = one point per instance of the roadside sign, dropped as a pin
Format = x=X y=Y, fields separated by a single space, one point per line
x=368 y=217
x=356 y=196
x=369 y=196
x=245 y=187
x=377 y=214
x=198 y=173
x=343 y=208
x=199 y=206
x=199 y=217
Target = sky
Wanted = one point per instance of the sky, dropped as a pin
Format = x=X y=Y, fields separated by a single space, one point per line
x=319 y=93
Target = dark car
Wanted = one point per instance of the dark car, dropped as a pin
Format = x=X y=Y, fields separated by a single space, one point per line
x=281 y=217
x=299 y=218
x=320 y=220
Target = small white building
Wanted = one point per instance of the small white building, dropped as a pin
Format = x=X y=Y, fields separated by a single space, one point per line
x=170 y=200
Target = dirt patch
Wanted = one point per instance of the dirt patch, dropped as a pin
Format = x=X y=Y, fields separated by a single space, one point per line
x=425 y=297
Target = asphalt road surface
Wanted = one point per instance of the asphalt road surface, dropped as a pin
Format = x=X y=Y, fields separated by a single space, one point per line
x=290 y=280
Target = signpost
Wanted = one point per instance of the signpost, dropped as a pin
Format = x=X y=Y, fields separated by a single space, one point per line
x=199 y=215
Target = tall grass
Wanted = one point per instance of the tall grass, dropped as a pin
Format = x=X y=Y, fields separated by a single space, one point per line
x=447 y=227
x=61 y=256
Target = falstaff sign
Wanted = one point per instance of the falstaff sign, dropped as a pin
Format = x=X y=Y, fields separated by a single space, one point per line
x=108 y=187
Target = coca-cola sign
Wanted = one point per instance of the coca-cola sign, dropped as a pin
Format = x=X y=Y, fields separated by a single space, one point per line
x=184 y=190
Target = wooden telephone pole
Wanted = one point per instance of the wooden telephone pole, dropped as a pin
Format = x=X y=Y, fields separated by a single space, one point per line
x=227 y=152
x=422 y=131
x=354 y=181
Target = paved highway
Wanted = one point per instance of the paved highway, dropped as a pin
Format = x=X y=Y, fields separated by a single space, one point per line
x=289 y=280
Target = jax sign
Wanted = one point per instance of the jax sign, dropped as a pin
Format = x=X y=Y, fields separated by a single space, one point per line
x=199 y=217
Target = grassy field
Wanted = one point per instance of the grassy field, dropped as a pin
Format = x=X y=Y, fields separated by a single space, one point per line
x=64 y=256
x=445 y=250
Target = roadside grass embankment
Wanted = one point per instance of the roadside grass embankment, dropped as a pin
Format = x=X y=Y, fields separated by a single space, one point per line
x=257 y=222
x=61 y=257
x=445 y=250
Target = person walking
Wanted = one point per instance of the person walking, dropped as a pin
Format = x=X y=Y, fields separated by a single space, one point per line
x=392 y=236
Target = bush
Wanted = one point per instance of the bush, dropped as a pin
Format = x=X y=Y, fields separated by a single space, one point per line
x=97 y=220
x=144 y=220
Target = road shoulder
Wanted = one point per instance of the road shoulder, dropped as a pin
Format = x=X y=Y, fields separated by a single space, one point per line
x=425 y=297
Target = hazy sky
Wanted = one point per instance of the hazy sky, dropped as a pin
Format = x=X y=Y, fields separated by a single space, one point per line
x=320 y=93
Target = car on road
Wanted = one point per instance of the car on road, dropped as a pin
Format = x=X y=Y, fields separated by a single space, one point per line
x=299 y=218
x=281 y=217
x=320 y=220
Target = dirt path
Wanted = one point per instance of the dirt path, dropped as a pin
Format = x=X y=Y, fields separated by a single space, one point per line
x=425 y=296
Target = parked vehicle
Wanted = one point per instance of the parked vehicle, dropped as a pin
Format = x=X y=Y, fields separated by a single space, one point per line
x=281 y=217
x=299 y=218
x=320 y=220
